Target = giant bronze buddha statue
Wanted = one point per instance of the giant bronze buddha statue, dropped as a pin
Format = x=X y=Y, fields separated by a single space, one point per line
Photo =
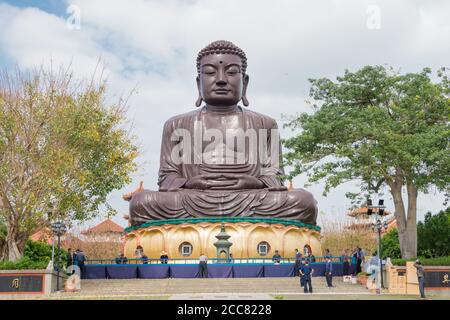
x=221 y=160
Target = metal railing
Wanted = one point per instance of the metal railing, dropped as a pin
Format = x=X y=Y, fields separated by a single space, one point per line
x=259 y=260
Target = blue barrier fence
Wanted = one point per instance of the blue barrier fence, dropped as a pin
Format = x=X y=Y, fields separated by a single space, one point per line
x=210 y=260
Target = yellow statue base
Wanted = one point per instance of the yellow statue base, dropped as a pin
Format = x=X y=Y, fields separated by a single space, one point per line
x=247 y=235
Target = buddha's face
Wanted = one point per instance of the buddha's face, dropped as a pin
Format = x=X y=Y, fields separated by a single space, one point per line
x=221 y=81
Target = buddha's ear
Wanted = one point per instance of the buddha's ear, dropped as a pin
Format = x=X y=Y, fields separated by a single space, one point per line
x=198 y=103
x=244 y=90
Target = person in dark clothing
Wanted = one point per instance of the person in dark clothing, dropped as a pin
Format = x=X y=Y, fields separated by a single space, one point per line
x=121 y=259
x=345 y=259
x=310 y=257
x=69 y=258
x=276 y=257
x=302 y=279
x=203 y=268
x=298 y=259
x=420 y=277
x=329 y=272
x=357 y=256
x=164 y=257
x=69 y=262
x=306 y=273
x=81 y=259
x=327 y=254
x=144 y=258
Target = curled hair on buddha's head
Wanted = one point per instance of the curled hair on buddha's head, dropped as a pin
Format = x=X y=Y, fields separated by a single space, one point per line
x=222 y=47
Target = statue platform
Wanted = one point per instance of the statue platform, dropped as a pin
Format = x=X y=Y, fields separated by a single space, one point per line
x=188 y=238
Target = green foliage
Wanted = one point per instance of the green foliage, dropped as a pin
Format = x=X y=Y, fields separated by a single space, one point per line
x=434 y=235
x=439 y=261
x=37 y=255
x=372 y=123
x=22 y=264
x=40 y=251
x=63 y=149
x=380 y=128
x=390 y=245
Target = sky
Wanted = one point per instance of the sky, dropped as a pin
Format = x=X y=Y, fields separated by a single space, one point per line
x=149 y=48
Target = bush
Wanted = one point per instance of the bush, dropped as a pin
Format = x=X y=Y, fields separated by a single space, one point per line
x=440 y=261
x=37 y=255
x=433 y=235
x=24 y=263
x=390 y=245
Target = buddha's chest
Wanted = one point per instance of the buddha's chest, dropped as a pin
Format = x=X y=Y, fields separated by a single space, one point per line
x=224 y=123
x=223 y=138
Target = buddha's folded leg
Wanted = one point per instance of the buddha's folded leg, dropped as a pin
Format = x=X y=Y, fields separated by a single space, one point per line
x=297 y=204
x=154 y=205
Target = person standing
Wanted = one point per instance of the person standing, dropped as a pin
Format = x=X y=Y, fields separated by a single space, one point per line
x=69 y=258
x=298 y=258
x=345 y=258
x=138 y=253
x=329 y=272
x=81 y=259
x=363 y=259
x=420 y=277
x=306 y=273
x=302 y=279
x=310 y=257
x=203 y=268
x=357 y=255
x=327 y=254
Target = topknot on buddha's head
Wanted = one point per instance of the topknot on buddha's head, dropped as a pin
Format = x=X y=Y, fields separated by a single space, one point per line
x=222 y=47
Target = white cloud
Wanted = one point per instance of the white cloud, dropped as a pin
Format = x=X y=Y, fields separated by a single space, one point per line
x=152 y=46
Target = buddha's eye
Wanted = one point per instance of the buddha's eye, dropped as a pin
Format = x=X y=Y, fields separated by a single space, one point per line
x=209 y=71
x=233 y=71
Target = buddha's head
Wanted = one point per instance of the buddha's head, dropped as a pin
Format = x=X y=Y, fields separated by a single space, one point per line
x=221 y=79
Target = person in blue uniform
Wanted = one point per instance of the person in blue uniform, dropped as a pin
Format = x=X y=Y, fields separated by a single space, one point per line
x=329 y=272
x=306 y=273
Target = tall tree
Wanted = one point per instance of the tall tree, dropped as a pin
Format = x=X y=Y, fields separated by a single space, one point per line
x=381 y=128
x=62 y=150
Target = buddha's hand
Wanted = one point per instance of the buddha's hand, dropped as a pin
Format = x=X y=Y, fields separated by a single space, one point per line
x=211 y=181
x=241 y=181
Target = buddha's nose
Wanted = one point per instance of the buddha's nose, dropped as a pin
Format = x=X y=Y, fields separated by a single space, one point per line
x=221 y=81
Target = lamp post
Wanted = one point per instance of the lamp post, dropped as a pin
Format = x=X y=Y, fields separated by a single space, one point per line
x=378 y=226
x=58 y=228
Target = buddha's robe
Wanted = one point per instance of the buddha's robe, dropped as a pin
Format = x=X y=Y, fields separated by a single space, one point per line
x=224 y=157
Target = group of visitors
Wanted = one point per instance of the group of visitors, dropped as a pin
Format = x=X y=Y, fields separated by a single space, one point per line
x=306 y=271
x=139 y=255
x=75 y=260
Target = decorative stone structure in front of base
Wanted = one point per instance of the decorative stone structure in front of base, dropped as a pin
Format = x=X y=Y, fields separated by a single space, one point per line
x=22 y=282
x=246 y=234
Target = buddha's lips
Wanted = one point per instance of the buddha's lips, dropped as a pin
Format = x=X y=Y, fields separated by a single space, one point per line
x=220 y=91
